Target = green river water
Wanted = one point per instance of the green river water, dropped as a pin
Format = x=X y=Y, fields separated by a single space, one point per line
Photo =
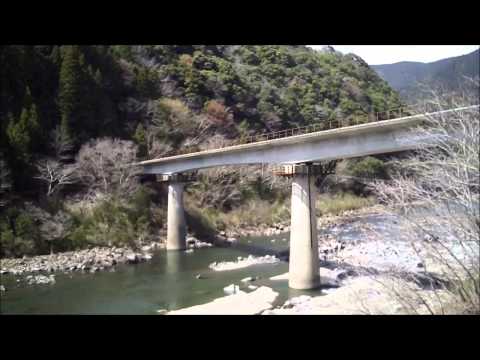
x=168 y=281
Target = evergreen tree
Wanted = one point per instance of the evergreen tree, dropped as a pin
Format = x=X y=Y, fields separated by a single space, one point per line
x=19 y=136
x=70 y=87
x=141 y=139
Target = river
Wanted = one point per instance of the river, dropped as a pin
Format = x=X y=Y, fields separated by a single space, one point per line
x=168 y=281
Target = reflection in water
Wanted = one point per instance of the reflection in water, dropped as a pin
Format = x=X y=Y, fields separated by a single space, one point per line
x=168 y=281
x=174 y=261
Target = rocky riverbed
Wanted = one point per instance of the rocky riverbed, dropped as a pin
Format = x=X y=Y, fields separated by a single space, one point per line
x=366 y=260
x=88 y=260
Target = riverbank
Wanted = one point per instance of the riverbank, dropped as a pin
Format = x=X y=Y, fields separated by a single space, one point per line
x=284 y=227
x=91 y=260
x=87 y=260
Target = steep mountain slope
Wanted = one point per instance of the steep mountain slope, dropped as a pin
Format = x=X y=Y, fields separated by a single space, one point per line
x=167 y=97
x=58 y=103
x=412 y=79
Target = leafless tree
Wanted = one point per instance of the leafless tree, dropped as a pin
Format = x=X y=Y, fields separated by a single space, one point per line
x=437 y=193
x=107 y=165
x=55 y=175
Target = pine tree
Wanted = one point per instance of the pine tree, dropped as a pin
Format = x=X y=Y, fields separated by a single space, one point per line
x=24 y=135
x=19 y=136
x=70 y=87
x=141 y=139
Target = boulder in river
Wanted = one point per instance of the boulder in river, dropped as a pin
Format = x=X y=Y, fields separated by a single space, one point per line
x=132 y=258
x=231 y=289
x=40 y=279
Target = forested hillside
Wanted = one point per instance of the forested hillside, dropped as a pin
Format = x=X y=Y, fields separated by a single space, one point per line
x=61 y=106
x=414 y=80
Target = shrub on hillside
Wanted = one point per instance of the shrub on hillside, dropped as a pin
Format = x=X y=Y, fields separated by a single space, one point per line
x=114 y=222
x=217 y=112
x=20 y=235
x=368 y=167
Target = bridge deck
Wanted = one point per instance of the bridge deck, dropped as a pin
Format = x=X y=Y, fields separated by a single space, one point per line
x=197 y=160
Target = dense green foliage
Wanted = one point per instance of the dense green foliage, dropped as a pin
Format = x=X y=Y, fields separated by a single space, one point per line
x=368 y=167
x=112 y=221
x=167 y=99
x=19 y=234
x=88 y=91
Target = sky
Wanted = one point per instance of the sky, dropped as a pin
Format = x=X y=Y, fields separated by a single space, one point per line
x=388 y=54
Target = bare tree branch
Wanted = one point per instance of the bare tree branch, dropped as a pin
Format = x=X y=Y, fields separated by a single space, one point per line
x=55 y=175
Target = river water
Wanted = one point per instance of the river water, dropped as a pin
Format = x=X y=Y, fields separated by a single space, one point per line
x=168 y=281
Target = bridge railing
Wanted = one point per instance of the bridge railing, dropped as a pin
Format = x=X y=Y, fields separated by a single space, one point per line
x=335 y=123
x=332 y=123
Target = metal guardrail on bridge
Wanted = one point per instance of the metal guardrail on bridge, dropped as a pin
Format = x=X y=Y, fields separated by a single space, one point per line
x=394 y=113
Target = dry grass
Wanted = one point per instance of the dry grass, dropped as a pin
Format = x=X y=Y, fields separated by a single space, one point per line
x=337 y=204
x=176 y=107
x=217 y=112
x=253 y=213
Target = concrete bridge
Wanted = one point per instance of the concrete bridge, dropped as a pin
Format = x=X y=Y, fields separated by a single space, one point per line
x=298 y=153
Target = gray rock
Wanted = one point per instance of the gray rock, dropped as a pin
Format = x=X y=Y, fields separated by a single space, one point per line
x=132 y=258
x=346 y=273
x=2 y=288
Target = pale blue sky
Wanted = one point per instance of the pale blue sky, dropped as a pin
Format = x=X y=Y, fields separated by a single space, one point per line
x=388 y=54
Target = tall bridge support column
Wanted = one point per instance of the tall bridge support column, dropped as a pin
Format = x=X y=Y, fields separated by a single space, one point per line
x=176 y=225
x=303 y=264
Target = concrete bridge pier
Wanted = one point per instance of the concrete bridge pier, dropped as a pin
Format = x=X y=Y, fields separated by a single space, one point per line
x=176 y=225
x=303 y=265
